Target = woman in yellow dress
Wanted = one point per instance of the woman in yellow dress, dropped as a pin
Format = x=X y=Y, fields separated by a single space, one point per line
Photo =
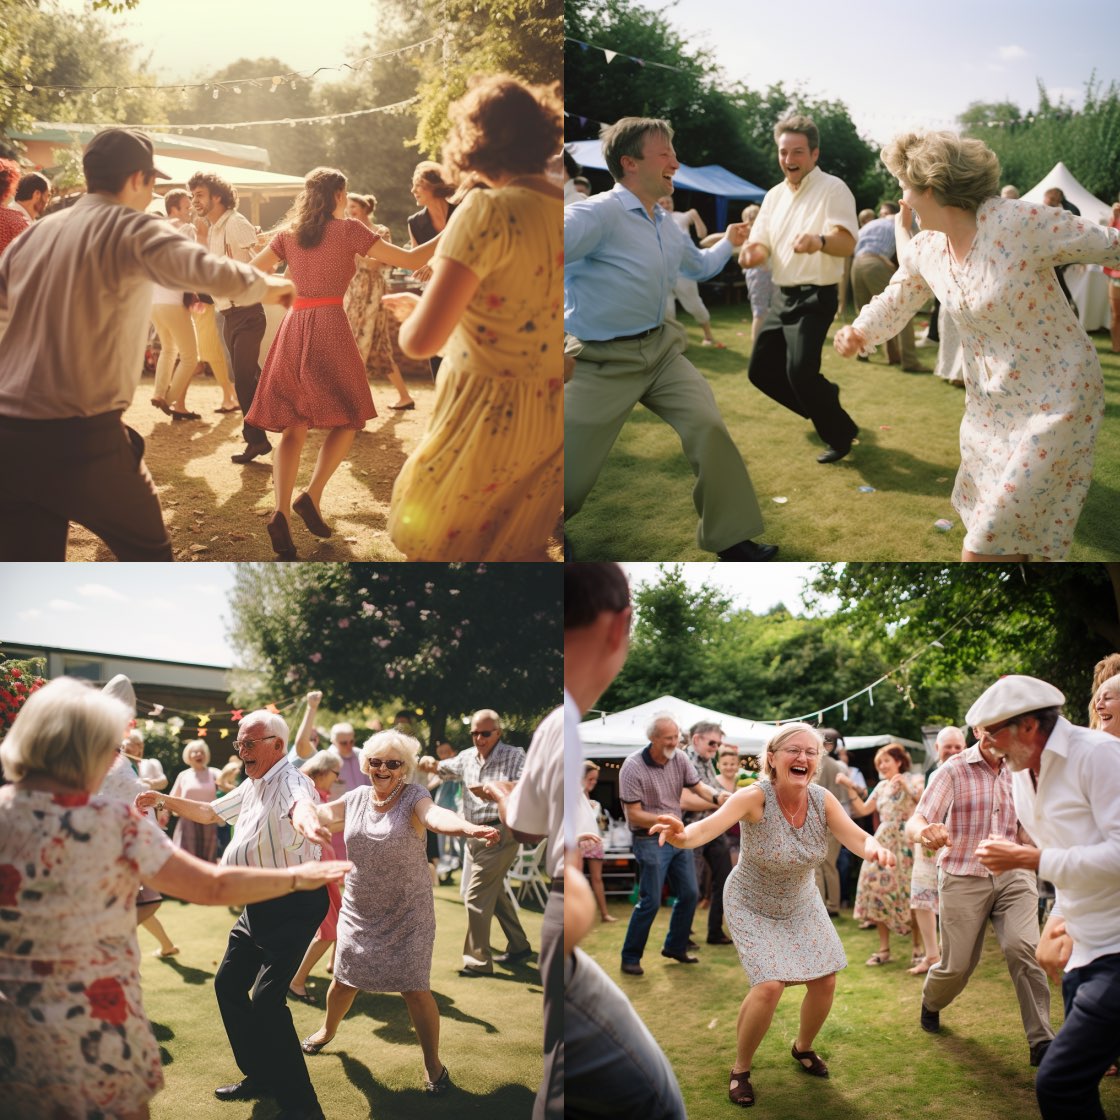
x=485 y=481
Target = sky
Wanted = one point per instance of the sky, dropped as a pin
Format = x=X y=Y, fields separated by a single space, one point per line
x=899 y=66
x=175 y=612
x=756 y=587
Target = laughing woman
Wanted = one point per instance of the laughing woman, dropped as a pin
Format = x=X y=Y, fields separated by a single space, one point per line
x=387 y=926
x=774 y=911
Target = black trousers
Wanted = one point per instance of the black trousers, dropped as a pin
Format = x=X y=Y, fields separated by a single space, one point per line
x=242 y=331
x=717 y=855
x=265 y=949
x=549 y=1104
x=786 y=360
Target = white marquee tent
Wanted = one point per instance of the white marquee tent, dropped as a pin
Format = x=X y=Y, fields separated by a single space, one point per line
x=1060 y=176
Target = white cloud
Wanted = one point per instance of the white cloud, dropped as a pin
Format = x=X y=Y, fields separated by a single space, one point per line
x=63 y=605
x=1010 y=53
x=100 y=591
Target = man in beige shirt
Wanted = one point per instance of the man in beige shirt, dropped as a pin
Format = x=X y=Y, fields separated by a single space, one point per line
x=76 y=292
x=805 y=229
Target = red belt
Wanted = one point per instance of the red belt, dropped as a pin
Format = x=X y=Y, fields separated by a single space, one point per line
x=302 y=303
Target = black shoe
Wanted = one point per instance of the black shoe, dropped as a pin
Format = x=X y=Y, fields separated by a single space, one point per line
x=1038 y=1051
x=684 y=958
x=931 y=1020
x=692 y=946
x=512 y=958
x=245 y=1090
x=632 y=968
x=834 y=454
x=749 y=551
x=721 y=940
x=251 y=452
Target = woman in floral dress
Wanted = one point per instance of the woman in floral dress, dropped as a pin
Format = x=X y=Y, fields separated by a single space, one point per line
x=883 y=893
x=485 y=481
x=74 y=1039
x=1034 y=391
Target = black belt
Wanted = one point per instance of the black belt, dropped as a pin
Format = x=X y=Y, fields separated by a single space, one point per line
x=639 y=832
x=789 y=289
x=635 y=337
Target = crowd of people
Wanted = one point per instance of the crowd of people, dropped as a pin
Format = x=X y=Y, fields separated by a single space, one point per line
x=329 y=850
x=1030 y=808
x=1034 y=392
x=484 y=482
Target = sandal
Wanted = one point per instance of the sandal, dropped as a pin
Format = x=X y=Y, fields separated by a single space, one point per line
x=923 y=966
x=878 y=958
x=809 y=1060
x=309 y=1047
x=160 y=955
x=866 y=925
x=304 y=997
x=740 y=1091
x=441 y=1083
x=917 y=957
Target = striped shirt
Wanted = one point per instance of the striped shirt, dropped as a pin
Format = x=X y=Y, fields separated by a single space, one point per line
x=264 y=836
x=503 y=764
x=657 y=788
x=974 y=802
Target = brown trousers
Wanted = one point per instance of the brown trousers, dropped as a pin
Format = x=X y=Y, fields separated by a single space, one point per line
x=88 y=469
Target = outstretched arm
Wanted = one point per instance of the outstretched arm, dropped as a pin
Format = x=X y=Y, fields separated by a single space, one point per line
x=742 y=803
x=852 y=836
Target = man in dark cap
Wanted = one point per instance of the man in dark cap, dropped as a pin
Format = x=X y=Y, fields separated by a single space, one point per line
x=1066 y=782
x=75 y=293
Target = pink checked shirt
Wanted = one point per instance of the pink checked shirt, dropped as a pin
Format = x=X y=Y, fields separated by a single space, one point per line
x=973 y=802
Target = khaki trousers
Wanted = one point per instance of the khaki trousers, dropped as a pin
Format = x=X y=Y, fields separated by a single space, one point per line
x=870 y=275
x=1011 y=901
x=486 y=899
x=176 y=339
x=827 y=876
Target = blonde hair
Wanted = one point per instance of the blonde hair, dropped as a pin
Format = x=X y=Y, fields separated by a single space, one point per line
x=64 y=731
x=407 y=748
x=192 y=745
x=1105 y=669
x=1111 y=683
x=960 y=171
x=750 y=212
x=782 y=736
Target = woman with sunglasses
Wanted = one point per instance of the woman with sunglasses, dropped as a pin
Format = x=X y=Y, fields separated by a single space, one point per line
x=387 y=925
x=774 y=911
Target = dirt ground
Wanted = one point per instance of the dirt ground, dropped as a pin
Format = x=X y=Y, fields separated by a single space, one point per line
x=216 y=510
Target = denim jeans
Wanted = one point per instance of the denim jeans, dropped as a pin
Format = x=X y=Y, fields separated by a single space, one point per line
x=657 y=865
x=1068 y=1082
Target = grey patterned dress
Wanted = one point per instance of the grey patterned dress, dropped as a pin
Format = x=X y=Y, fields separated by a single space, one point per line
x=387 y=925
x=773 y=909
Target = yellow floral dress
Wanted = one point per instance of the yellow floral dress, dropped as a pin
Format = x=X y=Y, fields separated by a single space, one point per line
x=485 y=482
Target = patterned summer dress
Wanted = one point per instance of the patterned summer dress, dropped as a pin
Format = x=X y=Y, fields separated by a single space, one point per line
x=773 y=909
x=314 y=374
x=1034 y=396
x=369 y=320
x=485 y=483
x=74 y=1039
x=387 y=926
x=883 y=893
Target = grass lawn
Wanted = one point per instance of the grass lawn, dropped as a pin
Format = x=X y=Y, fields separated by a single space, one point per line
x=490 y=1036
x=641 y=507
x=883 y=1065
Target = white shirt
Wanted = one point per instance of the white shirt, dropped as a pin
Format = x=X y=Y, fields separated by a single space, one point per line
x=232 y=235
x=1074 y=817
x=536 y=804
x=819 y=205
x=264 y=836
x=573 y=770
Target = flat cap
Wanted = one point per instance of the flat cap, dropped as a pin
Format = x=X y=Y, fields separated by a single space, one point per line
x=120 y=151
x=120 y=688
x=1012 y=696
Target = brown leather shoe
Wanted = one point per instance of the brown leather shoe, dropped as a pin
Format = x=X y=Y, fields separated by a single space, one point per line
x=305 y=507
x=278 y=533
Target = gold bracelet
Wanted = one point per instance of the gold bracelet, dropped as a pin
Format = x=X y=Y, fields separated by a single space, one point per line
x=159 y=805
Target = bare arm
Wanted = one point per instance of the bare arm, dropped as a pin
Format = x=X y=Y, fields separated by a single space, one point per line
x=318 y=822
x=698 y=224
x=747 y=802
x=187 y=877
x=753 y=254
x=693 y=801
x=429 y=320
x=266 y=260
x=303 y=736
x=499 y=792
x=933 y=836
x=200 y=812
x=852 y=836
x=388 y=253
x=860 y=808
x=444 y=821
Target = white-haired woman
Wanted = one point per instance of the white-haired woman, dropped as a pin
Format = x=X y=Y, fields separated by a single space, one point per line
x=387 y=926
x=774 y=911
x=74 y=1039
x=199 y=782
x=1034 y=394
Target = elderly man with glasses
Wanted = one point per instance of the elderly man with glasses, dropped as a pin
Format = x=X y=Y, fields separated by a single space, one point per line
x=489 y=760
x=268 y=942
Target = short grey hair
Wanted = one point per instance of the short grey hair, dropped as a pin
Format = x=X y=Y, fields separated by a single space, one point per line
x=321 y=762
x=488 y=713
x=704 y=727
x=273 y=722
x=65 y=731
x=196 y=744
x=406 y=747
x=945 y=732
x=339 y=727
x=658 y=719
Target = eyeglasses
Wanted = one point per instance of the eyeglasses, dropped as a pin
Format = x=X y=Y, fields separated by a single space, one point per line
x=994 y=730
x=345 y=742
x=482 y=734
x=241 y=744
x=714 y=742
x=388 y=763
x=793 y=752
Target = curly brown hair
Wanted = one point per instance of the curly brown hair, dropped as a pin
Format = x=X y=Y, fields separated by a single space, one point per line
x=367 y=202
x=434 y=175
x=314 y=206
x=503 y=126
x=896 y=751
x=9 y=179
x=224 y=192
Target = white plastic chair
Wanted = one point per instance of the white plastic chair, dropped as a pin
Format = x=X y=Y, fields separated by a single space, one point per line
x=525 y=872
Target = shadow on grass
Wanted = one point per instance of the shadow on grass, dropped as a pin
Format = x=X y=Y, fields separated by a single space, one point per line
x=188 y=974
x=163 y=1034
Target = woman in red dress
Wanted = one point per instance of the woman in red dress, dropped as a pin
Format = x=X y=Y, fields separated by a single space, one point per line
x=314 y=376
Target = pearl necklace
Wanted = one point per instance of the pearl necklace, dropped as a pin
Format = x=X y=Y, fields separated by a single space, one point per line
x=781 y=804
x=381 y=804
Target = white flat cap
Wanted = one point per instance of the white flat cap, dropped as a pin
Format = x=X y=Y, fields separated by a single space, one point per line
x=120 y=688
x=1012 y=696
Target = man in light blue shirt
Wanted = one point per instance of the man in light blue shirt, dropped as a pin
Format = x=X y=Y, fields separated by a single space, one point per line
x=622 y=257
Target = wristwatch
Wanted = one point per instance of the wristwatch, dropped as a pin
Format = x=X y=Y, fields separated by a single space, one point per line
x=821 y=236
